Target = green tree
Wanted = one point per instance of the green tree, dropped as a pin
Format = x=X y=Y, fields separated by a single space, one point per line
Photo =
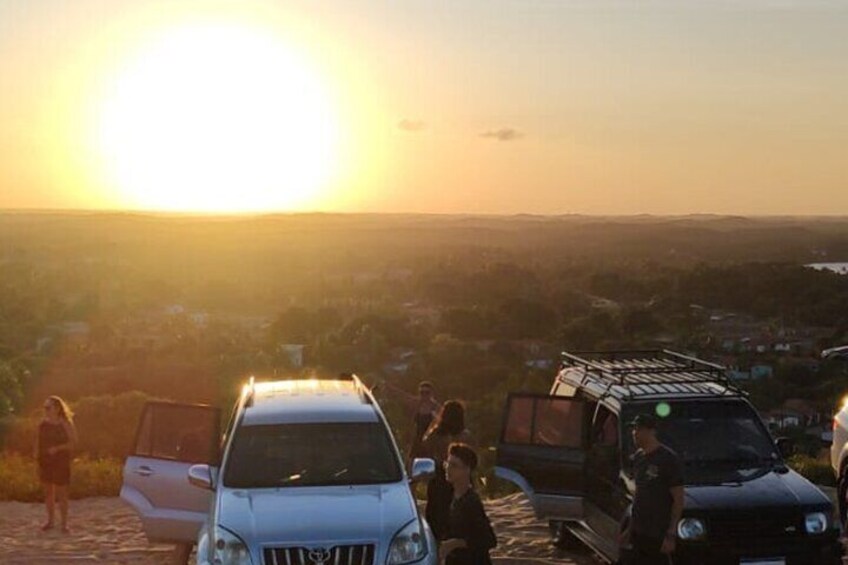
x=11 y=388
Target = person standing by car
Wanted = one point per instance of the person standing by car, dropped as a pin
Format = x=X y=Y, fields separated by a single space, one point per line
x=658 y=499
x=469 y=535
x=425 y=409
x=54 y=442
x=449 y=428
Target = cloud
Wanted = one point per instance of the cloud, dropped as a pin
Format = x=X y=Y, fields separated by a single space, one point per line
x=503 y=134
x=412 y=125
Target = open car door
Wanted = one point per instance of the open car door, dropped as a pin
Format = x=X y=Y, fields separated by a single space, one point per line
x=170 y=439
x=542 y=450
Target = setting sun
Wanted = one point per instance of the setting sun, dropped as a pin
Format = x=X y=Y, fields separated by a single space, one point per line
x=218 y=118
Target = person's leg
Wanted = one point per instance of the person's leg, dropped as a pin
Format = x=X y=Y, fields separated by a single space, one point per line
x=646 y=551
x=62 y=495
x=49 y=503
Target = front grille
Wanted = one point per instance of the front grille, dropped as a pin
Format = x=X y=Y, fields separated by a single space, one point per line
x=337 y=555
x=763 y=526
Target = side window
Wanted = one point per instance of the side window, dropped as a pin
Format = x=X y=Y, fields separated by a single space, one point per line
x=519 y=420
x=177 y=432
x=544 y=421
x=605 y=428
x=563 y=390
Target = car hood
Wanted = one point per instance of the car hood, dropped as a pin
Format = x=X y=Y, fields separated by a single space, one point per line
x=765 y=488
x=337 y=514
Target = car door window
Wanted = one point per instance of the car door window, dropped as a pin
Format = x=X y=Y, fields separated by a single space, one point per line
x=604 y=462
x=181 y=433
x=544 y=421
x=605 y=428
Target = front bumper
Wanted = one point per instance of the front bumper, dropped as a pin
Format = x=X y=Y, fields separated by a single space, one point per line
x=824 y=550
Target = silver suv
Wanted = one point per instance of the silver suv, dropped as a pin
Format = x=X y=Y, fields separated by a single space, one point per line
x=306 y=473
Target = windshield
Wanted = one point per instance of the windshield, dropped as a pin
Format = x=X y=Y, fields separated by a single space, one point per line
x=291 y=455
x=715 y=433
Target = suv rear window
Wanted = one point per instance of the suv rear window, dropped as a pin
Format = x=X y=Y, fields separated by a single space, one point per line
x=292 y=455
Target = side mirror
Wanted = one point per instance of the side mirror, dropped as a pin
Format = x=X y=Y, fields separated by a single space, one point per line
x=785 y=446
x=422 y=469
x=201 y=477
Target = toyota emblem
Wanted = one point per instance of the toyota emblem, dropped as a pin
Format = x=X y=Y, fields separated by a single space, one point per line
x=319 y=555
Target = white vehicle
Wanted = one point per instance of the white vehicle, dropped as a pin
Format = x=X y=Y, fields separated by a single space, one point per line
x=839 y=446
x=307 y=473
x=839 y=459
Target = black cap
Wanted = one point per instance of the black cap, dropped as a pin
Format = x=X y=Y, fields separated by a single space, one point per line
x=644 y=421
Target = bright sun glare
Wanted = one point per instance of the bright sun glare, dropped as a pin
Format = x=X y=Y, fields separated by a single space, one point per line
x=219 y=119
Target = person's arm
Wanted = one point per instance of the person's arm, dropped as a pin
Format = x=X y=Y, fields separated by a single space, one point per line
x=675 y=483
x=481 y=537
x=408 y=399
x=676 y=513
x=35 y=447
x=71 y=432
x=431 y=446
x=448 y=546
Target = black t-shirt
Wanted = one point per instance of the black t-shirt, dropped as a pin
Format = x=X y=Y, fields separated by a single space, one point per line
x=468 y=521
x=656 y=473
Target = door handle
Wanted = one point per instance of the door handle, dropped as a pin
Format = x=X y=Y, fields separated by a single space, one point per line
x=144 y=471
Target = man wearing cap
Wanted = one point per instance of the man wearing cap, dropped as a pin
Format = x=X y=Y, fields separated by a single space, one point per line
x=658 y=499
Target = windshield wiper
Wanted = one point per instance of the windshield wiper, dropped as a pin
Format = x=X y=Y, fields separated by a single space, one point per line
x=293 y=478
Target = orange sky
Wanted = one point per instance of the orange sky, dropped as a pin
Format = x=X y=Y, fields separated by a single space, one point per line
x=490 y=106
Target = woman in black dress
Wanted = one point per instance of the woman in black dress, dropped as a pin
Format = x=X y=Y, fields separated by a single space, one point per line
x=470 y=535
x=449 y=428
x=56 y=438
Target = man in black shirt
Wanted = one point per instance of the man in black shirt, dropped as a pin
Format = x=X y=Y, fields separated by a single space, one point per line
x=470 y=535
x=658 y=500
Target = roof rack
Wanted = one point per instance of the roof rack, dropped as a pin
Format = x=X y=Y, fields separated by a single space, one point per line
x=651 y=372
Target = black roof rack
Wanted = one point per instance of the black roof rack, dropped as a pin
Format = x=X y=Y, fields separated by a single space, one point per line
x=651 y=373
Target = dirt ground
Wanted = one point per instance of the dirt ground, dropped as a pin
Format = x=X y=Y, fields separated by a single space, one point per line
x=105 y=530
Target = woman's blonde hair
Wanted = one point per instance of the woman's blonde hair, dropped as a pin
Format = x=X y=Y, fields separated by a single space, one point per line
x=62 y=406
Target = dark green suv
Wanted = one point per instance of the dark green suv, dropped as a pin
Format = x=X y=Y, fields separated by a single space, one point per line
x=570 y=452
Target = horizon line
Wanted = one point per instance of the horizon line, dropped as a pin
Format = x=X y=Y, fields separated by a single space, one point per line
x=258 y=214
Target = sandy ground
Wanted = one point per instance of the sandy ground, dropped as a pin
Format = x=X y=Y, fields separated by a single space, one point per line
x=104 y=530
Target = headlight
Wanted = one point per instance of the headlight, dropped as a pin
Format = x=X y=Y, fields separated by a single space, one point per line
x=815 y=523
x=228 y=549
x=408 y=545
x=691 y=529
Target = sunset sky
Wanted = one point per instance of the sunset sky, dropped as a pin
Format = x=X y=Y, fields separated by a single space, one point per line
x=461 y=106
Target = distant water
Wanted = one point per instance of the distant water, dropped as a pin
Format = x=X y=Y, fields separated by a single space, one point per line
x=839 y=268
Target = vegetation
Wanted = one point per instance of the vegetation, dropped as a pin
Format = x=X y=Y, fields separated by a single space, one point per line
x=815 y=470
x=91 y=477
x=92 y=307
